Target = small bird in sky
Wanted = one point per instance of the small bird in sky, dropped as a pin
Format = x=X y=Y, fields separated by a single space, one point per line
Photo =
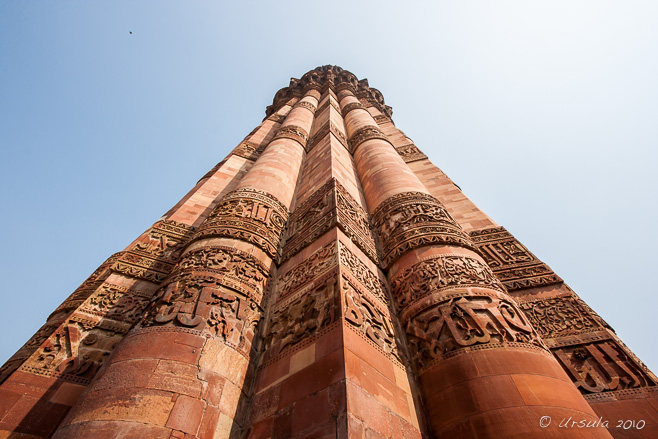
x=131 y=33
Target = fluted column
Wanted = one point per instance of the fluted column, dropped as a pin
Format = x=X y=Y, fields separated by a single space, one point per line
x=46 y=376
x=483 y=370
x=183 y=367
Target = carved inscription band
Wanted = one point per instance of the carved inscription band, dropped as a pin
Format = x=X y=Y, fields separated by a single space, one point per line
x=156 y=252
x=602 y=367
x=410 y=153
x=305 y=104
x=249 y=150
x=352 y=106
x=438 y=273
x=329 y=206
x=514 y=265
x=413 y=219
x=366 y=133
x=323 y=131
x=249 y=215
x=293 y=132
x=369 y=321
x=214 y=291
x=466 y=321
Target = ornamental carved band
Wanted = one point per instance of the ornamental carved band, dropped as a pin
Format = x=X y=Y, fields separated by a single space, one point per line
x=441 y=272
x=235 y=269
x=88 y=286
x=313 y=266
x=249 y=150
x=352 y=106
x=366 y=133
x=249 y=215
x=323 y=131
x=328 y=207
x=410 y=153
x=216 y=292
x=370 y=322
x=293 y=132
x=370 y=280
x=514 y=265
x=74 y=352
x=467 y=321
x=277 y=118
x=602 y=367
x=302 y=317
x=413 y=219
x=309 y=106
x=558 y=316
x=156 y=252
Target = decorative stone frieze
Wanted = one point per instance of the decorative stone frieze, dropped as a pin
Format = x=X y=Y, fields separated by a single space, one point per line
x=249 y=150
x=413 y=219
x=322 y=132
x=410 y=153
x=365 y=133
x=513 y=264
x=293 y=132
x=330 y=206
x=249 y=215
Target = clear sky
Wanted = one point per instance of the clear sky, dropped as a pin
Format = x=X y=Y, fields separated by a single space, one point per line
x=544 y=112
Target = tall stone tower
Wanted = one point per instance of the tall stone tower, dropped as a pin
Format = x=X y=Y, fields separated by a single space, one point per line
x=325 y=280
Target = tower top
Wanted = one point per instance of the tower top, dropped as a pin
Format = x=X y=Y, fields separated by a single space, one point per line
x=329 y=77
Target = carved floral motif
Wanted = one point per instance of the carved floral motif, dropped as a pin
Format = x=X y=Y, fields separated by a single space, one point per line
x=116 y=303
x=235 y=269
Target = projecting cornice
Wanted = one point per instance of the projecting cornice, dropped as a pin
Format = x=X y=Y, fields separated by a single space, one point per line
x=332 y=77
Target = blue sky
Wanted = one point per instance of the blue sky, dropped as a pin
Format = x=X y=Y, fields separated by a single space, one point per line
x=543 y=112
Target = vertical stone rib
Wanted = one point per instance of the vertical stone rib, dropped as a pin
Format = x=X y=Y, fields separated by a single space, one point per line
x=206 y=311
x=330 y=313
x=459 y=321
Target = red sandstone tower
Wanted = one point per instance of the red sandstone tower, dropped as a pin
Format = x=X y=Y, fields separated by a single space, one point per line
x=325 y=280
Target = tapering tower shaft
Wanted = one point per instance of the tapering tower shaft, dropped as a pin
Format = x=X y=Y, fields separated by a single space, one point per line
x=324 y=280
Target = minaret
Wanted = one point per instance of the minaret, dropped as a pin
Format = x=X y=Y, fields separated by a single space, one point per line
x=325 y=280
